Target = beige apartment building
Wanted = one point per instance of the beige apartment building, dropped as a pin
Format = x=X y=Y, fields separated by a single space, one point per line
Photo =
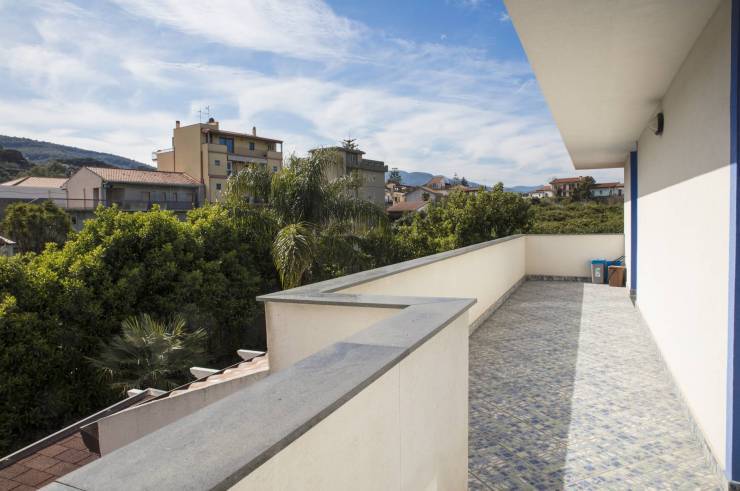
x=372 y=172
x=210 y=154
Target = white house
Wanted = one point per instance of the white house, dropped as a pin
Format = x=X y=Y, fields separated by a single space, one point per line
x=542 y=192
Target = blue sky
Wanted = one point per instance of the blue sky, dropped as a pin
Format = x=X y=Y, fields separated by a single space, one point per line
x=441 y=86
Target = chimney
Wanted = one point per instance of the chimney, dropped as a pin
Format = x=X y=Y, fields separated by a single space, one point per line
x=177 y=123
x=254 y=131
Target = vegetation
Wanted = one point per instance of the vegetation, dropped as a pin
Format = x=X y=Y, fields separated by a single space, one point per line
x=462 y=219
x=320 y=225
x=149 y=353
x=552 y=217
x=144 y=296
x=32 y=226
x=57 y=307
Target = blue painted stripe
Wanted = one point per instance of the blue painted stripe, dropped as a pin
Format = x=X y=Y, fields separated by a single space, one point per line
x=733 y=340
x=633 y=221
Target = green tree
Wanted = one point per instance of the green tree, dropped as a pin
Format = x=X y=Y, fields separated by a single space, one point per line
x=349 y=144
x=462 y=219
x=319 y=223
x=549 y=217
x=582 y=189
x=150 y=353
x=54 y=169
x=394 y=176
x=32 y=226
x=57 y=307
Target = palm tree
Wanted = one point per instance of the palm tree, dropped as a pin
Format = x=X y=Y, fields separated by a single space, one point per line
x=318 y=222
x=149 y=353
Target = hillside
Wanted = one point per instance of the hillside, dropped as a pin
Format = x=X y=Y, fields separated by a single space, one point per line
x=419 y=178
x=43 y=153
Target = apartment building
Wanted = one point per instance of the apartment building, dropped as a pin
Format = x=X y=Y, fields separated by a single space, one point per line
x=563 y=187
x=131 y=190
x=210 y=154
x=371 y=171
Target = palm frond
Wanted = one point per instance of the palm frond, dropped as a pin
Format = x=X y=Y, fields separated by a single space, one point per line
x=293 y=252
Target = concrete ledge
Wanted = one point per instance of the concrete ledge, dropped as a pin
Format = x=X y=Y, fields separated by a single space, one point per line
x=308 y=293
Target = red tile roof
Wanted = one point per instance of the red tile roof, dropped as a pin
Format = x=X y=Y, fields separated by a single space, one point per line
x=144 y=176
x=406 y=206
x=47 y=464
x=566 y=180
x=37 y=182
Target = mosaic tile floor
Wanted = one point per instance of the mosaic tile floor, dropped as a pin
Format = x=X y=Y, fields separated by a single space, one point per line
x=567 y=390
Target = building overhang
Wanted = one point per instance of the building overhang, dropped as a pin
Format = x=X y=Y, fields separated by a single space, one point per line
x=604 y=66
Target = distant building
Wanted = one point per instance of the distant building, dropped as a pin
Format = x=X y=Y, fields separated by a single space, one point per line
x=563 y=187
x=607 y=190
x=542 y=192
x=33 y=189
x=396 y=193
x=372 y=172
x=438 y=183
x=424 y=193
x=132 y=190
x=397 y=210
x=210 y=155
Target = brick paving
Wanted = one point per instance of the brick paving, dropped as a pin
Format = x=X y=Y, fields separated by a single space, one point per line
x=567 y=390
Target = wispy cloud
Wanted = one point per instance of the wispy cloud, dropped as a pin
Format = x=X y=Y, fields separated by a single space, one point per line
x=296 y=28
x=115 y=79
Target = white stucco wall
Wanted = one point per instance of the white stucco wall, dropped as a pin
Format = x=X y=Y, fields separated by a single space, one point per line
x=409 y=435
x=297 y=330
x=570 y=255
x=485 y=274
x=683 y=227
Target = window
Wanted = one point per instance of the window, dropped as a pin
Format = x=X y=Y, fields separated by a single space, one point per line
x=251 y=145
x=229 y=168
x=218 y=186
x=217 y=162
x=274 y=168
x=145 y=196
x=229 y=142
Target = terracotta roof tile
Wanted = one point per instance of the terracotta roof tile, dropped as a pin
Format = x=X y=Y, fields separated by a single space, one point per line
x=144 y=176
x=39 y=462
x=32 y=477
x=7 y=485
x=407 y=206
x=37 y=182
x=565 y=180
x=72 y=456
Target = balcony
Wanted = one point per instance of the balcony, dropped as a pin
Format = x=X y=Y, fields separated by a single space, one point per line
x=461 y=369
x=128 y=205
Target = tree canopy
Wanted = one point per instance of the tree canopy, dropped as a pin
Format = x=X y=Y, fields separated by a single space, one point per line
x=32 y=226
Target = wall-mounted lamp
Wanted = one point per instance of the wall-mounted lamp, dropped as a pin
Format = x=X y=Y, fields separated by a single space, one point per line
x=657 y=123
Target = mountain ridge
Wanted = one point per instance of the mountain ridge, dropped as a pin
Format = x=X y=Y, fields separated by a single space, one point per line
x=42 y=153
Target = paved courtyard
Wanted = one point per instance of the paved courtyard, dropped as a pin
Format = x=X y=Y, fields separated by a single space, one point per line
x=567 y=390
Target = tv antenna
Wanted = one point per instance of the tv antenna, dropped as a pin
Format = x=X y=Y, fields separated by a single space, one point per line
x=207 y=113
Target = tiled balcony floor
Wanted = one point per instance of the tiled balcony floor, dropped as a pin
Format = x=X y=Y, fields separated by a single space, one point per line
x=567 y=390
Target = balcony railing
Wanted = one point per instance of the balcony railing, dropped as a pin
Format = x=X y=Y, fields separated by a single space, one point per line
x=128 y=205
x=368 y=383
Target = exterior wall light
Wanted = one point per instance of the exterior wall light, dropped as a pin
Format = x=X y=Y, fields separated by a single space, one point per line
x=657 y=123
